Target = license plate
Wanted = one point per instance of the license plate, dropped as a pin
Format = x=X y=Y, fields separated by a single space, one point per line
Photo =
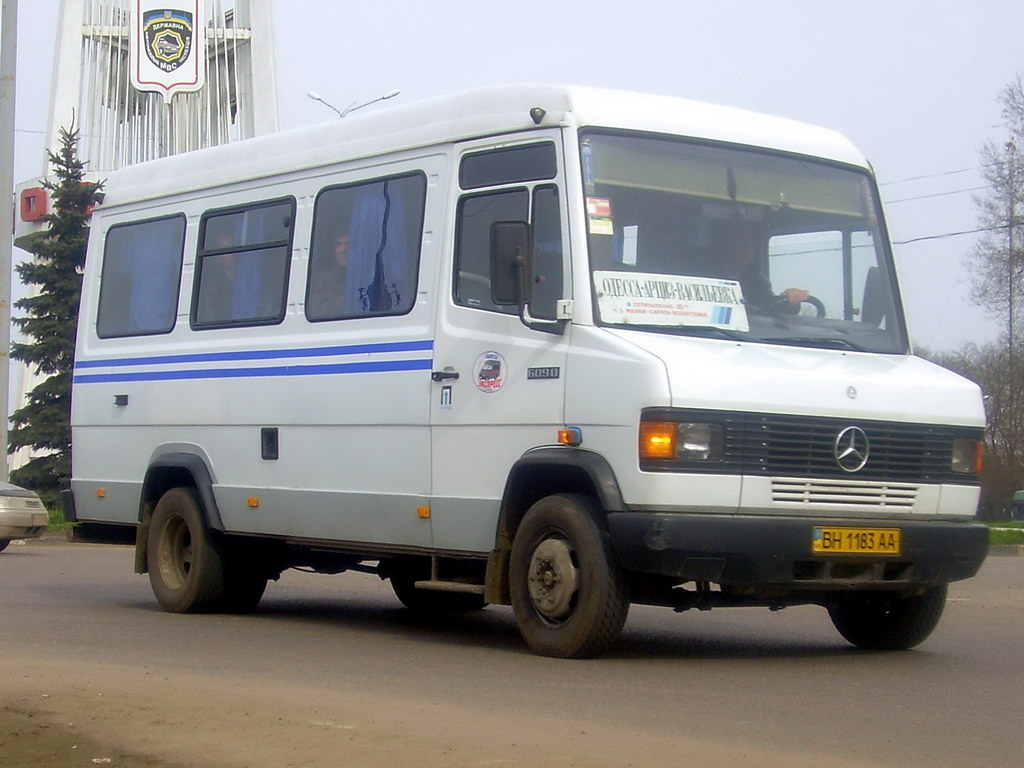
x=855 y=541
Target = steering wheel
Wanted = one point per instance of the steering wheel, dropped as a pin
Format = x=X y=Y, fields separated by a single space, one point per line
x=818 y=304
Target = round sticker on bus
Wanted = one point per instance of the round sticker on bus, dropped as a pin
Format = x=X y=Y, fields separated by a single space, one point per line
x=489 y=372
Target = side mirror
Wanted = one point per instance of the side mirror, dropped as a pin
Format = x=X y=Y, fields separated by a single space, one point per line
x=511 y=263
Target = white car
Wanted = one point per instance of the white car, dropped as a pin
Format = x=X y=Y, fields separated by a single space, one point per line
x=22 y=514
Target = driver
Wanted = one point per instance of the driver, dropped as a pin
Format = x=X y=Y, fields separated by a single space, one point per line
x=736 y=243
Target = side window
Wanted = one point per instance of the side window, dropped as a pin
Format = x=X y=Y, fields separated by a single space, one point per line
x=473 y=242
x=529 y=162
x=534 y=203
x=365 y=251
x=852 y=287
x=547 y=253
x=141 y=277
x=811 y=261
x=242 y=266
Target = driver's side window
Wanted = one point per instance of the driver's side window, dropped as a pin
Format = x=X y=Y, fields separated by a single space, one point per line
x=811 y=261
x=472 y=246
x=534 y=199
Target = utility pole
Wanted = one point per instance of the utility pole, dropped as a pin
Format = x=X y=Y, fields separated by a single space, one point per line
x=8 y=65
x=1011 y=152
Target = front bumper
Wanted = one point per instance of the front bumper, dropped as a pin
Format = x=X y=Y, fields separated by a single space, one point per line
x=776 y=552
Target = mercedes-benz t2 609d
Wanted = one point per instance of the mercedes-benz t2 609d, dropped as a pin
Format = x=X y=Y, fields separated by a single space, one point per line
x=558 y=348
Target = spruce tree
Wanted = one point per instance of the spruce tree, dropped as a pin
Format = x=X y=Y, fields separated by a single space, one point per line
x=49 y=325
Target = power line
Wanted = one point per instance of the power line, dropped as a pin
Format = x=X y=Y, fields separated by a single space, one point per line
x=947 y=235
x=928 y=176
x=936 y=194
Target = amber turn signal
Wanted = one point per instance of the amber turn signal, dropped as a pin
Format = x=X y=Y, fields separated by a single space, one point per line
x=657 y=440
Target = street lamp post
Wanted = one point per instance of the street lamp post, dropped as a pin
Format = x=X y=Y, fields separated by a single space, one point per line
x=354 y=105
x=8 y=66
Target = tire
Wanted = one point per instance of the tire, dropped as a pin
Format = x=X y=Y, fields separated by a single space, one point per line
x=4 y=543
x=243 y=587
x=186 y=565
x=429 y=601
x=569 y=594
x=883 y=621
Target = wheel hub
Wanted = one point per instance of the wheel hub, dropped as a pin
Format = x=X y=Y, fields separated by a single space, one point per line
x=552 y=579
x=174 y=553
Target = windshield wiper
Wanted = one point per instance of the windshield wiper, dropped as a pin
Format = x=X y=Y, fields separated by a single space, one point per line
x=815 y=341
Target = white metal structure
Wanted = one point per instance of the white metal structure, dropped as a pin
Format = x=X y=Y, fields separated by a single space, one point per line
x=119 y=125
x=503 y=346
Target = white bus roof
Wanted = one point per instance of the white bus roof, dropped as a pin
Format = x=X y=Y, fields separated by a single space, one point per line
x=483 y=111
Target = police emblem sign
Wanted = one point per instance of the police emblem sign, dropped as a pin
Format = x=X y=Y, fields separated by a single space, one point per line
x=167 y=46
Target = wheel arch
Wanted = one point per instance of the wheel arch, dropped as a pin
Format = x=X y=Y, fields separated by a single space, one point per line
x=544 y=472
x=174 y=469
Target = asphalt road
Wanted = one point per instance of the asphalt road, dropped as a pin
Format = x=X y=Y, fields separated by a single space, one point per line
x=332 y=671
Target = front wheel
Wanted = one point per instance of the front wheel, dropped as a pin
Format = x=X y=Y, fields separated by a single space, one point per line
x=186 y=566
x=569 y=595
x=884 y=621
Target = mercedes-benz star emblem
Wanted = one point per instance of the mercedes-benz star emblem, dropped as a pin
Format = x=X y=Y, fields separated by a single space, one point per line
x=852 y=449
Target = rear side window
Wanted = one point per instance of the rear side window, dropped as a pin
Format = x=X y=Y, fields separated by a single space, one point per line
x=242 y=265
x=364 y=257
x=141 y=277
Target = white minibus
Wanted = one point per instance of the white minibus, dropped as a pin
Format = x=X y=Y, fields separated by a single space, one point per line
x=563 y=349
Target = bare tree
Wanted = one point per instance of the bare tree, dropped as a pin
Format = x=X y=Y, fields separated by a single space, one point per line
x=1003 y=472
x=998 y=266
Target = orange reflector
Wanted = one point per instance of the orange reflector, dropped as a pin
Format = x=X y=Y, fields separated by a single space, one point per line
x=979 y=457
x=423 y=512
x=570 y=436
x=101 y=493
x=253 y=501
x=657 y=440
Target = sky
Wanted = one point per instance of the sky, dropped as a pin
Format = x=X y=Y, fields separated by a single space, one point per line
x=914 y=84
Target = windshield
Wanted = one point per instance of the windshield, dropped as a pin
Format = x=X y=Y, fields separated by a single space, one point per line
x=711 y=241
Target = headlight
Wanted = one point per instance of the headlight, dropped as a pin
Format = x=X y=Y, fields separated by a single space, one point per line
x=681 y=440
x=967 y=456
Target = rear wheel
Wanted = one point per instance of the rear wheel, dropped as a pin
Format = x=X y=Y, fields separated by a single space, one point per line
x=4 y=543
x=884 y=621
x=569 y=595
x=186 y=566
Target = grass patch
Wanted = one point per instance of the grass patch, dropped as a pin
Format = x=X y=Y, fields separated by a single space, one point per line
x=1006 y=533
x=57 y=521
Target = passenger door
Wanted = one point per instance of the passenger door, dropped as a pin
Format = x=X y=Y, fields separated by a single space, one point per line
x=498 y=385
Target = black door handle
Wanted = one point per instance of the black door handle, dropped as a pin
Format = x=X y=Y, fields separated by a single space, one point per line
x=442 y=375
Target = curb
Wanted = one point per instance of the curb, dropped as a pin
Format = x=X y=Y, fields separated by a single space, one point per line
x=1006 y=550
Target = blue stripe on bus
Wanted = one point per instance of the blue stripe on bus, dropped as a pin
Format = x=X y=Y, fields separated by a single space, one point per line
x=240 y=373
x=264 y=354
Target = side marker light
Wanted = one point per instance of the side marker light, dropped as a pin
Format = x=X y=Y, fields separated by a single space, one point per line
x=572 y=436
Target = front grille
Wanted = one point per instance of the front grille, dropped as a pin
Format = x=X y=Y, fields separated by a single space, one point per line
x=805 y=447
x=802 y=447
x=882 y=497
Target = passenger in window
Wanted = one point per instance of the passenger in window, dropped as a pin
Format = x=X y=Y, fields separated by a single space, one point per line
x=217 y=288
x=327 y=294
x=736 y=248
